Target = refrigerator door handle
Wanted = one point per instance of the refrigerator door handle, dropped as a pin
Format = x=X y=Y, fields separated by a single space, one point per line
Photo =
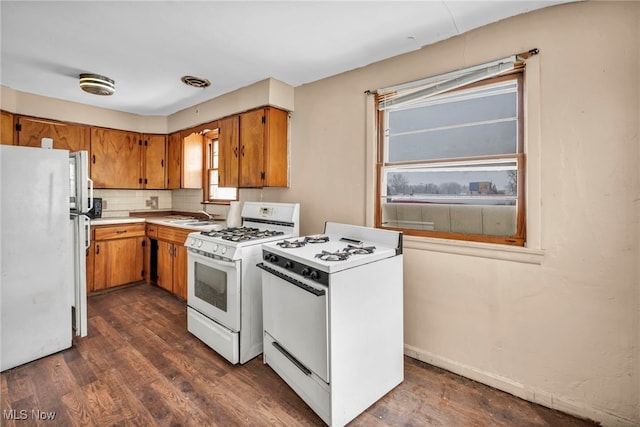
x=87 y=234
x=90 y=194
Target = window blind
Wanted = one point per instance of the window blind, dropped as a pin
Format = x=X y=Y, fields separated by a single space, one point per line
x=418 y=90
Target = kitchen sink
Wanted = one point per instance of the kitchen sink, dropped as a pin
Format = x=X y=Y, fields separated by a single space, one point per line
x=202 y=223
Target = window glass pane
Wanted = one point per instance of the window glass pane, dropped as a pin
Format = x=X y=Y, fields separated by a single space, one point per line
x=475 y=122
x=215 y=155
x=470 y=198
x=478 y=107
x=478 y=140
x=219 y=193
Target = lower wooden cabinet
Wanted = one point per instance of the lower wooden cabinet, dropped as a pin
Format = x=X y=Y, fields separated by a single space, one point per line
x=167 y=258
x=172 y=268
x=116 y=256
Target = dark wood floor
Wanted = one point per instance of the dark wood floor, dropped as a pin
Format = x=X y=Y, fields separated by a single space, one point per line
x=139 y=366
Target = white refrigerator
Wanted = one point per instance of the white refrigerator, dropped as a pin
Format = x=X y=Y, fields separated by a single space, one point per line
x=44 y=238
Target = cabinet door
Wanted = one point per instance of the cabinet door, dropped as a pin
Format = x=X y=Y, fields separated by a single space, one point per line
x=65 y=136
x=276 y=156
x=126 y=261
x=116 y=160
x=192 y=160
x=180 y=271
x=174 y=160
x=154 y=161
x=229 y=150
x=100 y=265
x=90 y=267
x=6 y=122
x=252 y=149
x=165 y=265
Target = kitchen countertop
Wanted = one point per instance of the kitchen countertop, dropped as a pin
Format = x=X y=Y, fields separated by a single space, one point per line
x=170 y=221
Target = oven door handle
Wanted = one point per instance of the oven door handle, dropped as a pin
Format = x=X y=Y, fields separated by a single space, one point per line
x=292 y=359
x=195 y=253
x=303 y=286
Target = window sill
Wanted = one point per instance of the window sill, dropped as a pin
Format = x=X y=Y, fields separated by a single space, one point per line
x=482 y=250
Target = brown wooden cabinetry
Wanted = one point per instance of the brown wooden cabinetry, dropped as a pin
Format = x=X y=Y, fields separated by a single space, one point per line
x=123 y=159
x=228 y=151
x=65 y=136
x=6 y=126
x=116 y=256
x=184 y=160
x=260 y=157
x=116 y=159
x=172 y=260
x=154 y=171
x=168 y=265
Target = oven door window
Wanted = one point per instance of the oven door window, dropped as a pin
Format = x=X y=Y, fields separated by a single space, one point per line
x=211 y=286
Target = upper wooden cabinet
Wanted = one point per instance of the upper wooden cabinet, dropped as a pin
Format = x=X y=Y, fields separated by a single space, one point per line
x=184 y=160
x=228 y=151
x=262 y=152
x=154 y=173
x=66 y=136
x=122 y=159
x=6 y=122
x=116 y=159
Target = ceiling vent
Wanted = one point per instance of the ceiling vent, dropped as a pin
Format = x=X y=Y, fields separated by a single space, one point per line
x=195 y=81
x=97 y=84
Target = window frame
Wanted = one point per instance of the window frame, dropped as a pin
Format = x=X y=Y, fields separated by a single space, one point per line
x=519 y=238
x=210 y=138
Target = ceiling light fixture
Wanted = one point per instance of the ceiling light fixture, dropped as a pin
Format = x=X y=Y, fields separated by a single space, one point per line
x=97 y=84
x=195 y=81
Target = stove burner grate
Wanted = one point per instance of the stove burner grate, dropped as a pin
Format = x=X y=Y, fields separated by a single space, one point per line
x=333 y=256
x=316 y=239
x=292 y=244
x=359 y=250
x=242 y=234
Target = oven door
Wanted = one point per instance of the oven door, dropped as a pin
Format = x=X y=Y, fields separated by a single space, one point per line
x=295 y=314
x=213 y=289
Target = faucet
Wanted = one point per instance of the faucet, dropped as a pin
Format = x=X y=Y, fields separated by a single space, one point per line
x=207 y=214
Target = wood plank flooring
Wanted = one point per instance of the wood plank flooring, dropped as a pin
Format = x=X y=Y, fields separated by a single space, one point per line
x=140 y=367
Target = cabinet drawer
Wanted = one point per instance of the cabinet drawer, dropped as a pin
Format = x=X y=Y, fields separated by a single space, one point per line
x=119 y=232
x=152 y=231
x=173 y=234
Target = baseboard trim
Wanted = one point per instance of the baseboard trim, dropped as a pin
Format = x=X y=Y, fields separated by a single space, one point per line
x=538 y=396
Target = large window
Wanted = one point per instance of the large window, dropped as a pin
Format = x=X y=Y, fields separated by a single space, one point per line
x=451 y=161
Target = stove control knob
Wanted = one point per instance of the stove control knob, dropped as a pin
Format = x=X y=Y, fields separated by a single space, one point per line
x=314 y=275
x=215 y=248
x=223 y=250
x=306 y=271
x=199 y=243
x=192 y=241
x=288 y=265
x=271 y=258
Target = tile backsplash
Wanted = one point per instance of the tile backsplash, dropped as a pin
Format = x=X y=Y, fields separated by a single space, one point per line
x=121 y=202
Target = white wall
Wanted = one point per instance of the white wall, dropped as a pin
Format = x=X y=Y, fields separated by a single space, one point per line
x=564 y=330
x=559 y=326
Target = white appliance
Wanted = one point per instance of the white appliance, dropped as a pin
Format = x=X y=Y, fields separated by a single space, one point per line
x=333 y=317
x=43 y=251
x=224 y=293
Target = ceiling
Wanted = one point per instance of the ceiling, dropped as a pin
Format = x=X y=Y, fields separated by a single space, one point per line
x=147 y=46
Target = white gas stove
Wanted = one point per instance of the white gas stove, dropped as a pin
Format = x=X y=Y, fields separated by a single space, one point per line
x=224 y=293
x=261 y=222
x=333 y=317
